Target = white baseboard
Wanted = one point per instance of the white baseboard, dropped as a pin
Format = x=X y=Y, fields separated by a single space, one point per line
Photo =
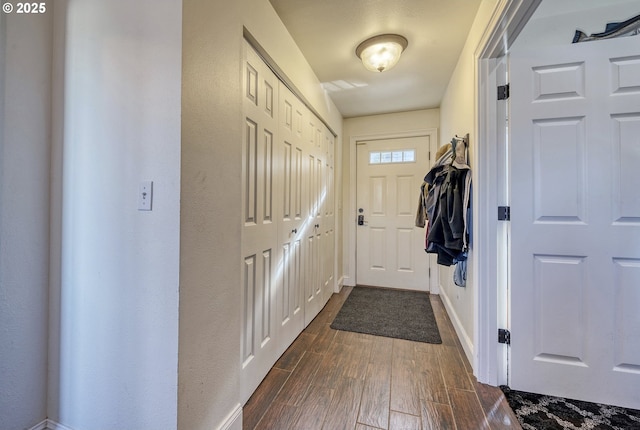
x=52 y=425
x=346 y=281
x=49 y=425
x=40 y=426
x=233 y=420
x=465 y=340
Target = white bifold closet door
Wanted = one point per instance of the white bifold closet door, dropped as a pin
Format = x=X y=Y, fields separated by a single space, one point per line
x=288 y=219
x=319 y=223
x=294 y=215
x=328 y=224
x=260 y=201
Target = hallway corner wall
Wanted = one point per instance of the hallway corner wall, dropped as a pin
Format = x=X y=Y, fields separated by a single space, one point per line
x=25 y=115
x=458 y=116
x=118 y=292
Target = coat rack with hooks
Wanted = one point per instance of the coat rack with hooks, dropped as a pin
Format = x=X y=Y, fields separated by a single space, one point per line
x=444 y=208
x=465 y=139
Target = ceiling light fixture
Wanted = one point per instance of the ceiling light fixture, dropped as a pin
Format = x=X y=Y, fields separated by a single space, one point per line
x=382 y=52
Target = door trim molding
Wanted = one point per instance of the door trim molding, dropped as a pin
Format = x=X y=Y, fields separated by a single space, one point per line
x=508 y=19
x=350 y=271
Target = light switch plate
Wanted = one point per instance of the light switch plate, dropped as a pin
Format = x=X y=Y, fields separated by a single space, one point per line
x=145 y=196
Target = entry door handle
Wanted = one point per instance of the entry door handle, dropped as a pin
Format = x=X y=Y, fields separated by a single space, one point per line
x=361 y=220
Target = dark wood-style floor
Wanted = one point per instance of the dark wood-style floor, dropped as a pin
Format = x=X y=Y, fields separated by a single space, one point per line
x=330 y=379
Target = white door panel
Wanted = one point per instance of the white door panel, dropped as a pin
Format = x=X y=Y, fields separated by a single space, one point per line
x=259 y=227
x=328 y=226
x=288 y=238
x=390 y=248
x=314 y=300
x=575 y=229
x=291 y=280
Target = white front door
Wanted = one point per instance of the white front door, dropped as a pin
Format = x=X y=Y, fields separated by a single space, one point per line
x=390 y=248
x=575 y=221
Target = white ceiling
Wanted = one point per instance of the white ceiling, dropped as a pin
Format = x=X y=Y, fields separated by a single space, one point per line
x=328 y=31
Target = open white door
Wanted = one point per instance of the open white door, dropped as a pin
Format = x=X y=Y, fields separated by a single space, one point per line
x=575 y=221
x=390 y=248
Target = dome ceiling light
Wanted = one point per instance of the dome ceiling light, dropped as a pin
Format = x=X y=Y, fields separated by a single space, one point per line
x=382 y=52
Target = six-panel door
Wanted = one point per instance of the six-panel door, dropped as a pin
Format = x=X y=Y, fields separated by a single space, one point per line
x=288 y=222
x=575 y=221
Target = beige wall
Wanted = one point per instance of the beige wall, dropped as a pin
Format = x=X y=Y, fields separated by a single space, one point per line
x=365 y=126
x=25 y=123
x=210 y=257
x=457 y=116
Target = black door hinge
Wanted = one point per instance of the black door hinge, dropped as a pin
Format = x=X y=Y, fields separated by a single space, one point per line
x=503 y=92
x=504 y=336
x=504 y=213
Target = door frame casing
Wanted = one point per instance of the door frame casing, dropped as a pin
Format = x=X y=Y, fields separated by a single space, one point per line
x=350 y=274
x=508 y=19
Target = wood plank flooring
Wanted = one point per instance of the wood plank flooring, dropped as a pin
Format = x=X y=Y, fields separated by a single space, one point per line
x=334 y=380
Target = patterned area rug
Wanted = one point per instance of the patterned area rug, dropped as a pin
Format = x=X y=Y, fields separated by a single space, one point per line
x=392 y=313
x=537 y=412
